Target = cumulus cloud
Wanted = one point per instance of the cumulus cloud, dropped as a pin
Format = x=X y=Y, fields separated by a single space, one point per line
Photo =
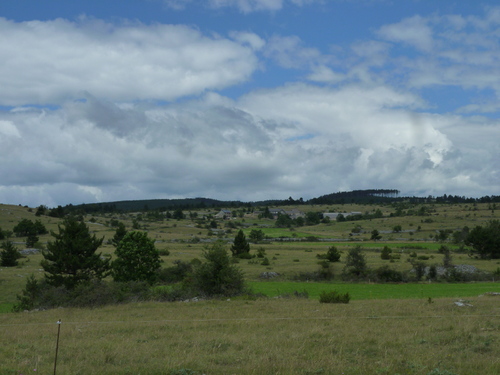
x=62 y=59
x=267 y=144
x=359 y=121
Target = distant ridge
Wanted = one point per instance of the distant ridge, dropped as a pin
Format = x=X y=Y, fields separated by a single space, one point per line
x=367 y=196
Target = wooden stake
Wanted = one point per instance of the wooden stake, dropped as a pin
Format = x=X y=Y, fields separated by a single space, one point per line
x=57 y=344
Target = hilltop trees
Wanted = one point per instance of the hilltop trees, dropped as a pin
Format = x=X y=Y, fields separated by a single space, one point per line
x=72 y=258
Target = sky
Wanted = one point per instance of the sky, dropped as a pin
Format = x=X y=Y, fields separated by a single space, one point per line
x=247 y=99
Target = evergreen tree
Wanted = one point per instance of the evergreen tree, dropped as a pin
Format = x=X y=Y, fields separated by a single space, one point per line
x=72 y=259
x=240 y=246
x=9 y=255
x=121 y=231
x=333 y=254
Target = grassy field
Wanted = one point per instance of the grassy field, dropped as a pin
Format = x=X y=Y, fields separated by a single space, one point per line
x=385 y=329
x=272 y=336
x=362 y=291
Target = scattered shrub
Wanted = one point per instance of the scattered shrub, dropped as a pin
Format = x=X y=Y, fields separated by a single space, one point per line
x=387 y=274
x=386 y=253
x=334 y=297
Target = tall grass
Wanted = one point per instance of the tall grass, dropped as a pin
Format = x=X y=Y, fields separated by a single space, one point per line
x=284 y=336
x=363 y=291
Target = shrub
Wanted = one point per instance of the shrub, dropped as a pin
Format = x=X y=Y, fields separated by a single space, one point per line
x=387 y=274
x=334 y=297
x=217 y=276
x=386 y=253
x=333 y=254
x=261 y=252
x=177 y=273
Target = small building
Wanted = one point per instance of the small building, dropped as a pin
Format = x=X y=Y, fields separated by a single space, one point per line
x=224 y=214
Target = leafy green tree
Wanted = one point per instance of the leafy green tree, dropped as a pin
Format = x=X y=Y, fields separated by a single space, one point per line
x=397 y=229
x=218 y=276
x=137 y=258
x=256 y=235
x=9 y=255
x=340 y=218
x=120 y=232
x=178 y=214
x=313 y=218
x=355 y=265
x=333 y=254
x=375 y=235
x=283 y=221
x=26 y=228
x=72 y=258
x=485 y=241
x=266 y=214
x=41 y=210
x=240 y=247
x=31 y=240
x=385 y=253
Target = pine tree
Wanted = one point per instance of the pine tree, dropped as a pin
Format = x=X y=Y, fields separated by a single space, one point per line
x=240 y=247
x=121 y=231
x=72 y=259
x=9 y=255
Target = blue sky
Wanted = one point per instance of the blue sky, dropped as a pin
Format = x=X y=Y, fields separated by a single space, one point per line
x=247 y=99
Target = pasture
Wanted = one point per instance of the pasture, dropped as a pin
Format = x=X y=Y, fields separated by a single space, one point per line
x=264 y=336
x=385 y=329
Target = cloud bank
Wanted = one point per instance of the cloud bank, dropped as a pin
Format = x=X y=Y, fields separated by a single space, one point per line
x=93 y=111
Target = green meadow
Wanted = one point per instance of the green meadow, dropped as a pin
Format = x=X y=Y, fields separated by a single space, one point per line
x=386 y=328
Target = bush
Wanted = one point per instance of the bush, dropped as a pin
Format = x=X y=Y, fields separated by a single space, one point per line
x=334 y=297
x=385 y=253
x=95 y=293
x=388 y=275
x=333 y=255
x=217 y=276
x=175 y=274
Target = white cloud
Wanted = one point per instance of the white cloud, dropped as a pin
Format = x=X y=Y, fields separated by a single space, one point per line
x=324 y=74
x=413 y=31
x=247 y=6
x=244 y=6
x=289 y=52
x=293 y=140
x=450 y=50
x=48 y=62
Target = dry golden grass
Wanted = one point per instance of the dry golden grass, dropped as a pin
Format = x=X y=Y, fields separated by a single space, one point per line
x=258 y=337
